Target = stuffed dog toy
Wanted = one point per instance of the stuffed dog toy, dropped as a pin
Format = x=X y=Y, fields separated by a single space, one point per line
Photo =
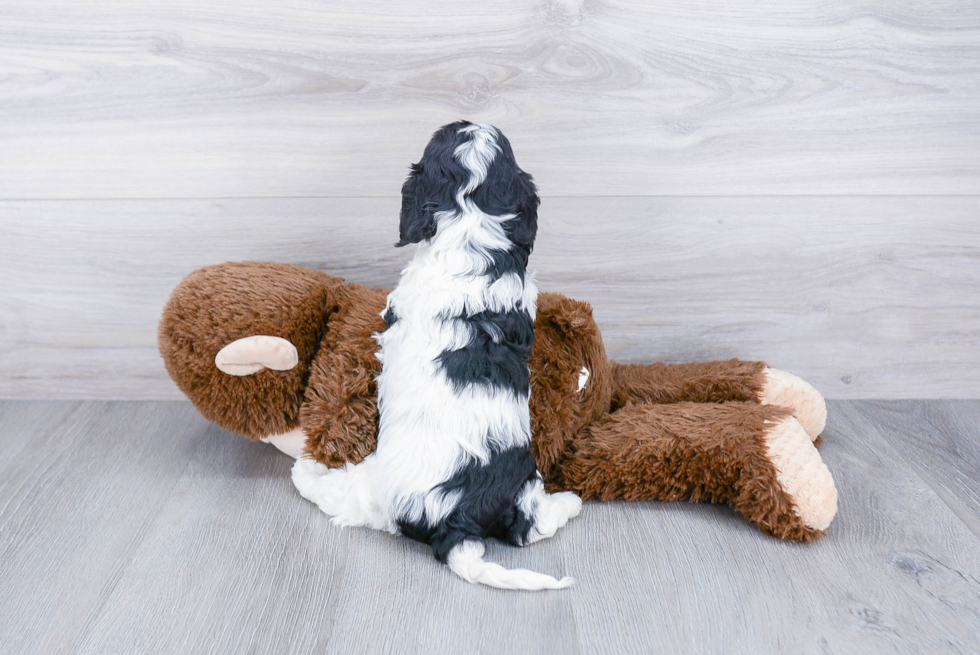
x=286 y=354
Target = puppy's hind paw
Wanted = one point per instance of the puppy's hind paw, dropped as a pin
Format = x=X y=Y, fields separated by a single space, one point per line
x=571 y=503
x=319 y=485
x=307 y=468
x=552 y=513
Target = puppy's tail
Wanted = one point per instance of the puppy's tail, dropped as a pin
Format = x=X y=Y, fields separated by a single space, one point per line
x=466 y=560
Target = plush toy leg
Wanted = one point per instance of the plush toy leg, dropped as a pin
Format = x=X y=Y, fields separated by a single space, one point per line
x=699 y=382
x=787 y=390
x=757 y=458
x=802 y=473
x=715 y=382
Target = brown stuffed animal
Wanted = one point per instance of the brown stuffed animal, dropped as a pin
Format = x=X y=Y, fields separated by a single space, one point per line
x=286 y=355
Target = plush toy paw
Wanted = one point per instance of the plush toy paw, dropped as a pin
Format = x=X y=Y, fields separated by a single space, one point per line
x=252 y=354
x=801 y=473
x=291 y=443
x=794 y=393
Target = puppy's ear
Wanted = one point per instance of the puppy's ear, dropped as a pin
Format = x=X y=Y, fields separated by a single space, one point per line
x=526 y=201
x=417 y=221
x=431 y=186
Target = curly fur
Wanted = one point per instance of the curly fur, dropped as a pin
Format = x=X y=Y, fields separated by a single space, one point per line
x=644 y=432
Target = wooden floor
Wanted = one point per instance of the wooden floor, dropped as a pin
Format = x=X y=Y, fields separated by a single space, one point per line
x=137 y=527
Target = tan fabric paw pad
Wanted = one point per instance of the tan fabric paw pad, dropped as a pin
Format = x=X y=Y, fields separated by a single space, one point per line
x=802 y=473
x=787 y=390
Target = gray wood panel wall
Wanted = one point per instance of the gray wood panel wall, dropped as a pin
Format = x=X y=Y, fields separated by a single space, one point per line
x=797 y=183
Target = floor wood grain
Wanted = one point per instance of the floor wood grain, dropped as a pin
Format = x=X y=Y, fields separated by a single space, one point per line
x=863 y=297
x=191 y=98
x=76 y=500
x=138 y=527
x=942 y=439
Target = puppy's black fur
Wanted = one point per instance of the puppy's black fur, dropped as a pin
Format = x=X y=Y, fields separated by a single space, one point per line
x=435 y=180
x=487 y=506
x=497 y=353
x=499 y=348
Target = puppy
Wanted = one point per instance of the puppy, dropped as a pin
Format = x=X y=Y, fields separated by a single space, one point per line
x=453 y=463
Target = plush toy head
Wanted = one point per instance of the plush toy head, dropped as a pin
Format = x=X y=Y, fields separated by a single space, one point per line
x=572 y=377
x=206 y=313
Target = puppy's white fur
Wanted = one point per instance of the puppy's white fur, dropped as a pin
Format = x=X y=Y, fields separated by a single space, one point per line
x=429 y=429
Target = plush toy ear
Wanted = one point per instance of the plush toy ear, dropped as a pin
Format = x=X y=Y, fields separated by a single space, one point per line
x=575 y=315
x=417 y=221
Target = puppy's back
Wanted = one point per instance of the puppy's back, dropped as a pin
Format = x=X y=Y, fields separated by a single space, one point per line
x=454 y=431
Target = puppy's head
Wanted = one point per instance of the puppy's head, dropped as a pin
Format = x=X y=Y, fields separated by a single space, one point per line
x=468 y=163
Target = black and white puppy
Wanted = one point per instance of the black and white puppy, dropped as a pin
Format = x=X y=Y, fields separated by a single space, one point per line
x=453 y=464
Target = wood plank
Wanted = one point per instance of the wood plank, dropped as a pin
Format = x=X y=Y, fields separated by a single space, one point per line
x=939 y=439
x=21 y=422
x=865 y=297
x=74 y=503
x=862 y=297
x=235 y=562
x=230 y=559
x=114 y=98
x=400 y=600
